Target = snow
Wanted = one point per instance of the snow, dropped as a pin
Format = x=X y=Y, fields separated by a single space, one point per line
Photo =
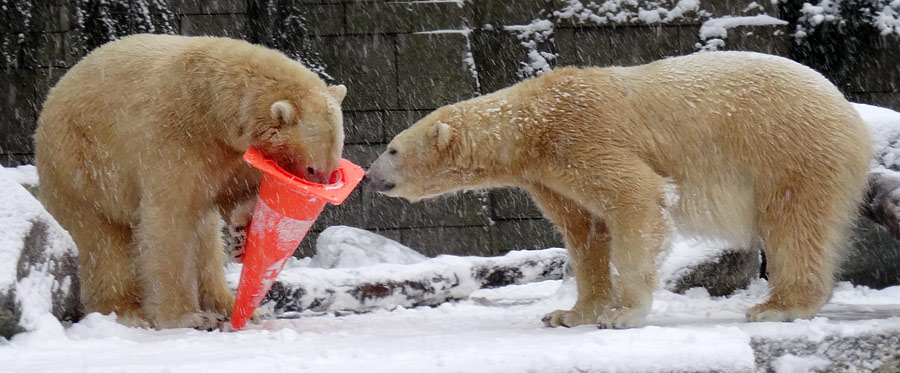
x=484 y=334
x=19 y=212
x=530 y=36
x=686 y=253
x=389 y=285
x=888 y=18
x=715 y=30
x=790 y=363
x=718 y=27
x=884 y=125
x=627 y=11
x=25 y=175
x=883 y=14
x=490 y=330
x=348 y=247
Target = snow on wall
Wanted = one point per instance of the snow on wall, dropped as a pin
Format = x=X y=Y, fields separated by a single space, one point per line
x=887 y=19
x=530 y=36
x=883 y=14
x=714 y=31
x=884 y=126
x=629 y=11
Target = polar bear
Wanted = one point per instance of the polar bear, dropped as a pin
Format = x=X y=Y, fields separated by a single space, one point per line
x=139 y=152
x=758 y=148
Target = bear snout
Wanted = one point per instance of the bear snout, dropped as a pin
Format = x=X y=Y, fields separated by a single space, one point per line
x=380 y=175
x=379 y=184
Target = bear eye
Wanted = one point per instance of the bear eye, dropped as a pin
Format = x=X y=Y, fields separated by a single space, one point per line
x=392 y=151
x=311 y=171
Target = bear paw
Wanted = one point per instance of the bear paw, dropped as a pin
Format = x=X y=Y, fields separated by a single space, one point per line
x=199 y=320
x=237 y=241
x=622 y=318
x=133 y=320
x=567 y=318
x=766 y=312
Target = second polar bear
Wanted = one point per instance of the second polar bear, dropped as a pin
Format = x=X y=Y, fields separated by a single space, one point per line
x=758 y=147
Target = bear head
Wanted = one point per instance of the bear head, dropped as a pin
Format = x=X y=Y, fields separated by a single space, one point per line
x=302 y=130
x=434 y=156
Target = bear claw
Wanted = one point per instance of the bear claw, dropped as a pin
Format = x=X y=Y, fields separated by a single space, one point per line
x=199 y=320
x=566 y=318
x=621 y=318
x=767 y=313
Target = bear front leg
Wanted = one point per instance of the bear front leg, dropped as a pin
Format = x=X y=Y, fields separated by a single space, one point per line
x=167 y=237
x=109 y=282
x=587 y=240
x=629 y=196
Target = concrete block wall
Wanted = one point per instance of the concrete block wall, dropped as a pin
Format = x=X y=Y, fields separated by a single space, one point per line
x=402 y=59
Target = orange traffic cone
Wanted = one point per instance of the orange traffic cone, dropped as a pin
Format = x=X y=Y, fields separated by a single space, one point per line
x=286 y=208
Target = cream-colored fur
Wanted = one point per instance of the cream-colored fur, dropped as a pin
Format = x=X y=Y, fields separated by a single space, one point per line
x=139 y=149
x=758 y=147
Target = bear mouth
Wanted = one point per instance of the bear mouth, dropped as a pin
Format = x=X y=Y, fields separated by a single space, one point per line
x=298 y=167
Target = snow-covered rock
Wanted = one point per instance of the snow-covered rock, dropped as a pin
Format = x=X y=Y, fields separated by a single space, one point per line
x=341 y=246
x=884 y=125
x=718 y=267
x=38 y=271
x=300 y=287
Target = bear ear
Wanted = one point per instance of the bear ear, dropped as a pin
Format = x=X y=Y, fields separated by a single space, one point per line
x=442 y=133
x=338 y=92
x=281 y=110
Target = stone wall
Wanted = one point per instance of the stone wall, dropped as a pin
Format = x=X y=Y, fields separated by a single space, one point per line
x=401 y=59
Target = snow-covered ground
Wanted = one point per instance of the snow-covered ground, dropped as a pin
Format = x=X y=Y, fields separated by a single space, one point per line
x=496 y=330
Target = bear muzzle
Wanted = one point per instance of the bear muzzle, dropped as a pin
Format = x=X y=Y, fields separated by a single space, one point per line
x=380 y=175
x=378 y=184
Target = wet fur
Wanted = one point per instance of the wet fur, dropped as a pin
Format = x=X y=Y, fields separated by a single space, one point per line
x=760 y=149
x=139 y=147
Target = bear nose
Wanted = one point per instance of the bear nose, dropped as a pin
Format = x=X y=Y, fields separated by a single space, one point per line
x=380 y=185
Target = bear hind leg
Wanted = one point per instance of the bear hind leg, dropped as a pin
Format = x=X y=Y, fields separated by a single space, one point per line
x=109 y=282
x=802 y=248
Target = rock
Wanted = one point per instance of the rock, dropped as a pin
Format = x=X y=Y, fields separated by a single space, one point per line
x=346 y=247
x=386 y=286
x=874 y=258
x=38 y=272
x=727 y=270
x=829 y=351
